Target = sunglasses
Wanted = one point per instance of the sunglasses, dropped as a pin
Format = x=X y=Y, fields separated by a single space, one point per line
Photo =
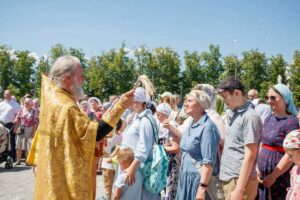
x=272 y=98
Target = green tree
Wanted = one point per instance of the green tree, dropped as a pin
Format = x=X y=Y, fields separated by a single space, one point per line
x=42 y=68
x=161 y=65
x=294 y=79
x=23 y=71
x=95 y=76
x=165 y=70
x=80 y=55
x=144 y=61
x=212 y=65
x=56 y=51
x=277 y=67
x=231 y=66
x=5 y=68
x=193 y=73
x=111 y=73
x=254 y=71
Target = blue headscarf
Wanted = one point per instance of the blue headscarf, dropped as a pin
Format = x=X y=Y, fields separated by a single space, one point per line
x=287 y=97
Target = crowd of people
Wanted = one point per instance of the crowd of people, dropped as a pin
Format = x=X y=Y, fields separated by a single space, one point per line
x=249 y=150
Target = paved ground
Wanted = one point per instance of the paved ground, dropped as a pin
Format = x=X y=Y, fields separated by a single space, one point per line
x=17 y=183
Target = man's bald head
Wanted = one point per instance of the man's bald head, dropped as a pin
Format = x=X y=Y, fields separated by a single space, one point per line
x=252 y=94
x=7 y=95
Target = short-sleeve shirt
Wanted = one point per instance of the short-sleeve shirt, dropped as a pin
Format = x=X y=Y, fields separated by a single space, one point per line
x=201 y=141
x=133 y=191
x=27 y=119
x=8 y=110
x=244 y=127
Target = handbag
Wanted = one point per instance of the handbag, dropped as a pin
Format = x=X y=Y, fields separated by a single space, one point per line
x=155 y=171
x=20 y=130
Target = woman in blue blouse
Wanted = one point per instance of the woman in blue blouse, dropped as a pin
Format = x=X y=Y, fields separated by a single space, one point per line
x=199 y=147
x=139 y=136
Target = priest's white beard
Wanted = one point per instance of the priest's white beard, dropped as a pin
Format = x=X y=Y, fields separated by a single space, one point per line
x=77 y=90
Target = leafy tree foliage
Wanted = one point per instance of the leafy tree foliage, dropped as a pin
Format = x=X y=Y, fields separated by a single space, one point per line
x=254 y=70
x=294 y=81
x=42 y=68
x=6 y=64
x=165 y=71
x=23 y=69
x=277 y=67
x=194 y=72
x=57 y=51
x=115 y=71
x=212 y=65
x=111 y=73
x=231 y=67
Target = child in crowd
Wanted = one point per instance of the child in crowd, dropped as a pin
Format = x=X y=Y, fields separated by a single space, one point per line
x=125 y=157
x=291 y=146
x=107 y=166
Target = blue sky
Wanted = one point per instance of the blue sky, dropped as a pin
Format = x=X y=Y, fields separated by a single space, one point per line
x=97 y=25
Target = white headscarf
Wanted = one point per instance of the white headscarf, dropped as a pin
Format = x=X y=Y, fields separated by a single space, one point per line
x=140 y=95
x=202 y=97
x=164 y=108
x=95 y=99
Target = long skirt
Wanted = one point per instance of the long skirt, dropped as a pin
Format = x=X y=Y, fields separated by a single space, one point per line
x=189 y=179
x=267 y=161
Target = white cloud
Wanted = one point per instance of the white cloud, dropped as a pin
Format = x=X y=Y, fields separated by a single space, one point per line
x=12 y=54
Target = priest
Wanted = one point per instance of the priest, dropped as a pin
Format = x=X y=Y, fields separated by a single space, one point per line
x=63 y=147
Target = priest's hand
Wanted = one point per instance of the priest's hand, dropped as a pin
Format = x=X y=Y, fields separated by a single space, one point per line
x=126 y=99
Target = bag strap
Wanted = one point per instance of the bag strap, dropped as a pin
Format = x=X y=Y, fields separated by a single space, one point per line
x=154 y=128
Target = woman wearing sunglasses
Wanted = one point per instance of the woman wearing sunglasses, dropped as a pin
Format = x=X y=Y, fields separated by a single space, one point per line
x=273 y=164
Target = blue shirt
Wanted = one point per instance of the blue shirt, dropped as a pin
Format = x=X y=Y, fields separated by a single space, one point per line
x=201 y=141
x=139 y=136
x=133 y=191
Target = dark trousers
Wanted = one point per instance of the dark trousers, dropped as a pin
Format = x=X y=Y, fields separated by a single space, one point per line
x=12 y=153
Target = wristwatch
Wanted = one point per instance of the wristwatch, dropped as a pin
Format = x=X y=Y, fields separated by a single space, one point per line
x=203 y=185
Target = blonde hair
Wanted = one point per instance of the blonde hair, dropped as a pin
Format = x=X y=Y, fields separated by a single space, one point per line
x=125 y=154
x=290 y=149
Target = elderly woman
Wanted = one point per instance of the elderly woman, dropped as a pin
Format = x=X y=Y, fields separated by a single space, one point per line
x=171 y=147
x=139 y=136
x=273 y=163
x=199 y=147
x=26 y=121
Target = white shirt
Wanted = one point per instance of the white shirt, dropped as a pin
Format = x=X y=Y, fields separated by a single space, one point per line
x=8 y=110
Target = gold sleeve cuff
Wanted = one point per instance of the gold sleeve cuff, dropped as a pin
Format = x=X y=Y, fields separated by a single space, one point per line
x=113 y=115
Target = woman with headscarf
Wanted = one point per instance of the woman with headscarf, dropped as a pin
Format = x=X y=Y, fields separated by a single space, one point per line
x=96 y=105
x=171 y=147
x=138 y=135
x=199 y=148
x=212 y=113
x=273 y=164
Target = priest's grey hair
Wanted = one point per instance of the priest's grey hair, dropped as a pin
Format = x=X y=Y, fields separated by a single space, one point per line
x=63 y=66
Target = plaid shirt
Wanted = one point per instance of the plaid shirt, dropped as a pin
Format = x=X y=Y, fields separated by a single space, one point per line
x=27 y=119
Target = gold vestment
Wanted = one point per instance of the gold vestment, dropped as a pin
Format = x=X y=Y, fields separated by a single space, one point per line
x=63 y=146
